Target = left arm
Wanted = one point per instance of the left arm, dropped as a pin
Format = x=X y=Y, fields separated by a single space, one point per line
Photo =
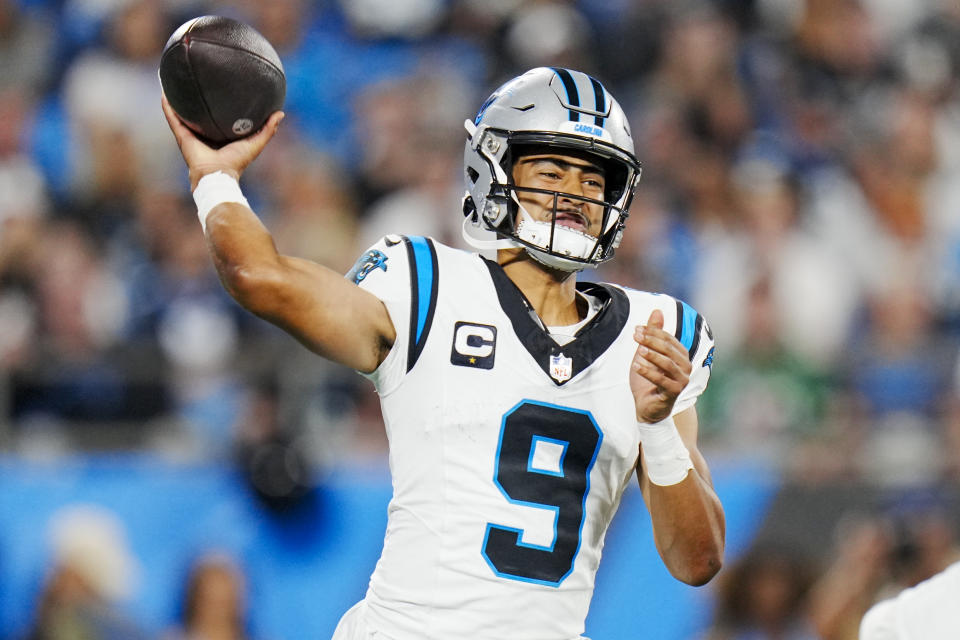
x=688 y=520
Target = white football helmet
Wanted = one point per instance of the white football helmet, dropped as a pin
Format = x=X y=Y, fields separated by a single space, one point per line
x=550 y=108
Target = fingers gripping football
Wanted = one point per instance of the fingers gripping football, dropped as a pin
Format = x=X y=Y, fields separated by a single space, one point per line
x=232 y=158
x=660 y=370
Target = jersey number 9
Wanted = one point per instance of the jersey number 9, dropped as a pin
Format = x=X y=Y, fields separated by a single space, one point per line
x=543 y=461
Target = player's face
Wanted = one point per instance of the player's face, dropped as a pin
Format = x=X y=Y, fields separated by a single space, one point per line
x=574 y=177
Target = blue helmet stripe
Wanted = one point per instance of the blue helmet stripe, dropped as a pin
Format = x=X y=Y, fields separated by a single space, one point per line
x=573 y=96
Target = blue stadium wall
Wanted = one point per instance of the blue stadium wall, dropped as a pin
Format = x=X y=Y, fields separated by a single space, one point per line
x=306 y=567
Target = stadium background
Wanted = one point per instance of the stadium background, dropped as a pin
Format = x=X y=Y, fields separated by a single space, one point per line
x=800 y=189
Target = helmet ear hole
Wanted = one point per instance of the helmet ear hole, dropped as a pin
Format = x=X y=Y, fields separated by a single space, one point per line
x=473 y=174
x=469 y=208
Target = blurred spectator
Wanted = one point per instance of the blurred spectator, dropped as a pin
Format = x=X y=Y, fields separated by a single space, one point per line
x=659 y=251
x=77 y=370
x=692 y=114
x=26 y=51
x=352 y=46
x=811 y=297
x=925 y=538
x=110 y=96
x=270 y=453
x=952 y=427
x=550 y=34
x=856 y=571
x=186 y=330
x=24 y=207
x=92 y=572
x=785 y=420
x=421 y=117
x=878 y=215
x=762 y=597
x=214 y=602
x=410 y=19
x=312 y=211
x=876 y=557
x=900 y=381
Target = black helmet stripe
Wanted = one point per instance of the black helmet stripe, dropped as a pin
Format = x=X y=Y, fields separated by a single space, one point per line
x=600 y=97
x=573 y=96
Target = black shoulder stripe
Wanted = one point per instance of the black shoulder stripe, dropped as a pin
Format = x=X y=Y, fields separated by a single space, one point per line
x=424 y=282
x=679 y=332
x=696 y=336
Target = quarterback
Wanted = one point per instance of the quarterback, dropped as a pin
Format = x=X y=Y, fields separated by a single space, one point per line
x=518 y=402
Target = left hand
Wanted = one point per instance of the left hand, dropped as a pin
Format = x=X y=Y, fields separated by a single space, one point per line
x=659 y=371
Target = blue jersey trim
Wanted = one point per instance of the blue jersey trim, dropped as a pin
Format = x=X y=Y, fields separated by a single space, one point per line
x=687 y=323
x=424 y=267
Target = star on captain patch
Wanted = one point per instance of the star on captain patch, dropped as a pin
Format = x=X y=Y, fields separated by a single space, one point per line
x=561 y=367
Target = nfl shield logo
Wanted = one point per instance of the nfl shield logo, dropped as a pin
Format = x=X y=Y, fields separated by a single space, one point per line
x=561 y=367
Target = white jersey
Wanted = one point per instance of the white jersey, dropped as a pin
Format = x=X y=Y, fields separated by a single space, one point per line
x=927 y=611
x=509 y=453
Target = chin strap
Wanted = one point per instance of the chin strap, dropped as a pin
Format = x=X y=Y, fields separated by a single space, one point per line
x=468 y=230
x=565 y=240
x=556 y=262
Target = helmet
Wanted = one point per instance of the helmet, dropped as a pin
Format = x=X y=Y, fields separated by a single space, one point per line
x=562 y=110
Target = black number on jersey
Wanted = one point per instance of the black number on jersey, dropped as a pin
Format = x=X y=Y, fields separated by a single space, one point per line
x=543 y=461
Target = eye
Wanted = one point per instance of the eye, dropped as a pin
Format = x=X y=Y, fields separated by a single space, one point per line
x=553 y=175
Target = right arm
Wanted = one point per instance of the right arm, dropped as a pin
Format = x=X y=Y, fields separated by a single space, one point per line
x=326 y=312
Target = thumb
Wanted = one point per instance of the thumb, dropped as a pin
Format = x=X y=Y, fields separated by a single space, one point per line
x=655 y=319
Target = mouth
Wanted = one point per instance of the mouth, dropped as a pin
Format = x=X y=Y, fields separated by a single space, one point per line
x=572 y=219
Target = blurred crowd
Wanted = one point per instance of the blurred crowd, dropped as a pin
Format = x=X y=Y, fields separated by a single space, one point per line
x=779 y=591
x=801 y=189
x=93 y=572
x=801 y=180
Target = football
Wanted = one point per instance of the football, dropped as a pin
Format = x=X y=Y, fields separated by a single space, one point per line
x=222 y=78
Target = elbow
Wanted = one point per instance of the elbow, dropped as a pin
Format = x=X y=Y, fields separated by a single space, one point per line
x=701 y=569
x=696 y=567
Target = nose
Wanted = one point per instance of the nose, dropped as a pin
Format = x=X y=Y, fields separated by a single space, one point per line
x=571 y=186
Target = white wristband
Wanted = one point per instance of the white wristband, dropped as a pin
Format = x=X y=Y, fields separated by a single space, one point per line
x=213 y=189
x=665 y=457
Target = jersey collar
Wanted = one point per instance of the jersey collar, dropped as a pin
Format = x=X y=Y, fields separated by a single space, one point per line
x=590 y=342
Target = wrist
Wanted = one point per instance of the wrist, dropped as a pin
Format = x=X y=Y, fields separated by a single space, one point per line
x=666 y=458
x=197 y=174
x=216 y=188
